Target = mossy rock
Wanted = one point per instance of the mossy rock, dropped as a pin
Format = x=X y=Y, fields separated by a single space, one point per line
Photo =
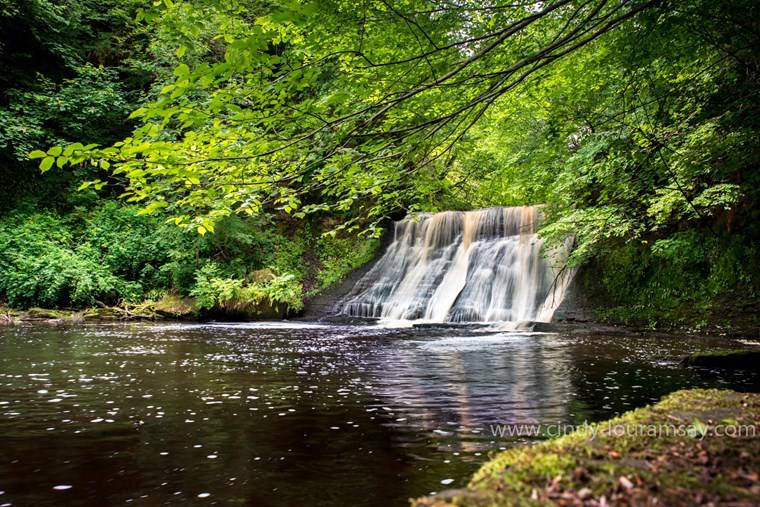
x=266 y=309
x=44 y=313
x=729 y=359
x=239 y=310
x=5 y=310
x=261 y=276
x=176 y=307
x=640 y=458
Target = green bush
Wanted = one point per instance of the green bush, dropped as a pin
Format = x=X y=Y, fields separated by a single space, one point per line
x=111 y=254
x=143 y=249
x=339 y=256
x=676 y=279
x=39 y=266
x=232 y=294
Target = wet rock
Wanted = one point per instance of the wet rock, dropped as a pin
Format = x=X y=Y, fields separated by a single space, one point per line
x=732 y=360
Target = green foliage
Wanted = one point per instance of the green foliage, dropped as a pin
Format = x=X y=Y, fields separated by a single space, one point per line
x=112 y=254
x=280 y=289
x=252 y=119
x=109 y=254
x=339 y=256
x=286 y=108
x=209 y=289
x=140 y=249
x=40 y=265
x=69 y=71
x=86 y=107
x=89 y=68
x=234 y=295
x=677 y=279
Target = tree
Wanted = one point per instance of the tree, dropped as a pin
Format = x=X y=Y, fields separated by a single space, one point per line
x=68 y=72
x=634 y=121
x=303 y=115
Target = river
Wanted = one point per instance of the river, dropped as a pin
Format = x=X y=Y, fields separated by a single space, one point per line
x=286 y=414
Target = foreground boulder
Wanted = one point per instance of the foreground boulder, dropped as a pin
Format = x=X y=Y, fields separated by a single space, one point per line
x=695 y=447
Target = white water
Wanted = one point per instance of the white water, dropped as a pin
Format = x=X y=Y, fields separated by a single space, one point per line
x=478 y=266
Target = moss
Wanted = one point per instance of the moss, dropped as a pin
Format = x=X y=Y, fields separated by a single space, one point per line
x=606 y=464
x=176 y=307
x=10 y=312
x=238 y=309
x=44 y=313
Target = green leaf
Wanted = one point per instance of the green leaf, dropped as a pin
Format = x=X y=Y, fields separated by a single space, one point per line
x=61 y=161
x=182 y=70
x=181 y=51
x=138 y=112
x=46 y=164
x=71 y=148
x=37 y=154
x=55 y=151
x=698 y=429
x=150 y=208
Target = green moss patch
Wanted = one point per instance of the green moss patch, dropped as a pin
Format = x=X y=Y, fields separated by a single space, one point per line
x=176 y=307
x=695 y=447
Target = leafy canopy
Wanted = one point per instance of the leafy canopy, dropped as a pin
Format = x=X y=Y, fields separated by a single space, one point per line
x=330 y=105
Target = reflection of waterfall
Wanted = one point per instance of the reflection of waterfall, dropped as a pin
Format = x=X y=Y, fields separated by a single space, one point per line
x=479 y=266
x=456 y=387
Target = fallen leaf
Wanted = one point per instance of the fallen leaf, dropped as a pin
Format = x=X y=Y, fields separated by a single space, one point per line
x=625 y=483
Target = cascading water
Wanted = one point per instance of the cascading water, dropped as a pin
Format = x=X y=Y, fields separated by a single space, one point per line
x=477 y=266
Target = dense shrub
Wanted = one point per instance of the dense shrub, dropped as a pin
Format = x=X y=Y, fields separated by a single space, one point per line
x=111 y=254
x=41 y=266
x=677 y=279
x=214 y=292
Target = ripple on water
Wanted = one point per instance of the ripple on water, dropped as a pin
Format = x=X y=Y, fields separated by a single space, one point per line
x=350 y=408
x=467 y=343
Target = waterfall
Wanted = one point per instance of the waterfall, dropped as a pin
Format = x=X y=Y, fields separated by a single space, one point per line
x=476 y=266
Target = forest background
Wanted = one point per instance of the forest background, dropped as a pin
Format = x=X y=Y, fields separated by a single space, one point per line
x=234 y=154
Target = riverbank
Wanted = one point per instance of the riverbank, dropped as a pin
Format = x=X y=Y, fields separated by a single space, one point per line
x=699 y=446
x=169 y=307
x=177 y=308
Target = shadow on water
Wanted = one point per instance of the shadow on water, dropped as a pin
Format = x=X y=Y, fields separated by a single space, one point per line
x=289 y=414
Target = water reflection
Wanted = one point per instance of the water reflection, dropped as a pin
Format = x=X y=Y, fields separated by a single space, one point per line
x=280 y=414
x=461 y=385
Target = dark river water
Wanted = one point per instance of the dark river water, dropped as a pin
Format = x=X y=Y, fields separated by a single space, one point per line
x=285 y=414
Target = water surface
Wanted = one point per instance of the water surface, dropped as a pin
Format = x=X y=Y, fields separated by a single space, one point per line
x=298 y=414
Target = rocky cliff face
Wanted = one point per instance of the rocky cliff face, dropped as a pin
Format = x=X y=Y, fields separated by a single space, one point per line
x=581 y=300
